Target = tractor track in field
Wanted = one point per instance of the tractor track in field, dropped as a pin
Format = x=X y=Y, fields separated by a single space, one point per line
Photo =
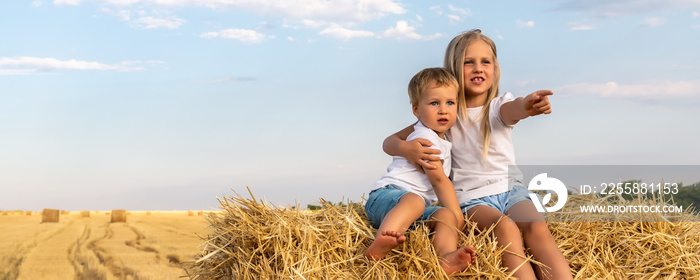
x=117 y=269
x=18 y=257
x=172 y=260
x=78 y=255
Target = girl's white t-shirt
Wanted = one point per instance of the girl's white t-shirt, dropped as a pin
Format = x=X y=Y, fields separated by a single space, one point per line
x=403 y=175
x=472 y=175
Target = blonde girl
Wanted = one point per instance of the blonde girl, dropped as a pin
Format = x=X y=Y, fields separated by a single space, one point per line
x=482 y=154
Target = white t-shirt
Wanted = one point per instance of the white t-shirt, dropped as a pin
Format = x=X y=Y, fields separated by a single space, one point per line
x=406 y=177
x=473 y=176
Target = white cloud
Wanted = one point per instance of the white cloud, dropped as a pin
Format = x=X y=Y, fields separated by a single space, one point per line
x=654 y=91
x=624 y=7
x=454 y=18
x=465 y=12
x=580 y=25
x=653 y=21
x=344 y=33
x=243 y=35
x=404 y=31
x=31 y=65
x=345 y=13
x=156 y=23
x=525 y=24
x=695 y=14
x=66 y=2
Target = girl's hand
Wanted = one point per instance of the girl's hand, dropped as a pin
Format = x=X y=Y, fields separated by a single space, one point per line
x=537 y=103
x=418 y=153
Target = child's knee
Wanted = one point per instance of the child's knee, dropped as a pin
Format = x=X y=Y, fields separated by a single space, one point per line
x=534 y=229
x=445 y=215
x=507 y=227
x=413 y=199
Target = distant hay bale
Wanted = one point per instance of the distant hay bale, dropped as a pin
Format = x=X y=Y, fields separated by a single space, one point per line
x=28 y=213
x=190 y=213
x=49 y=216
x=251 y=240
x=148 y=213
x=65 y=212
x=85 y=214
x=200 y=213
x=118 y=216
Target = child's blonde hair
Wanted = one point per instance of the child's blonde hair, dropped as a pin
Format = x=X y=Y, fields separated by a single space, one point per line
x=439 y=76
x=454 y=62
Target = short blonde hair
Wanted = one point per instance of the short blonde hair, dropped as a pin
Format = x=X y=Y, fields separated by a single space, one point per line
x=437 y=75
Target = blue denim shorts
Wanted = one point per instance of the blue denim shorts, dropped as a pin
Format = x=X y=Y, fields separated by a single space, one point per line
x=381 y=201
x=501 y=202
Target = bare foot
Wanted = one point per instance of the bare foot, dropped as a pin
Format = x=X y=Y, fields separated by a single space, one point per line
x=383 y=244
x=458 y=260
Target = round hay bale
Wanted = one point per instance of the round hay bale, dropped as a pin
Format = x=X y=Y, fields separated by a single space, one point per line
x=118 y=216
x=49 y=216
x=85 y=214
x=148 y=213
x=28 y=213
x=190 y=213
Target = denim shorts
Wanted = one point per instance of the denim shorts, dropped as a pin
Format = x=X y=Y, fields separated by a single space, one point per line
x=381 y=201
x=501 y=202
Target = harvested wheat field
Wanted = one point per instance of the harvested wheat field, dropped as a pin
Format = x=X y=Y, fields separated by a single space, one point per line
x=81 y=246
x=253 y=240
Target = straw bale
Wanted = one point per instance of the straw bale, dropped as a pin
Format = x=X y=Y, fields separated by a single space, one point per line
x=190 y=213
x=49 y=216
x=250 y=239
x=28 y=213
x=118 y=216
x=85 y=214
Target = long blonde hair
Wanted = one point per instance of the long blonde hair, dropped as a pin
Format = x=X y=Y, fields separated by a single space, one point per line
x=454 y=62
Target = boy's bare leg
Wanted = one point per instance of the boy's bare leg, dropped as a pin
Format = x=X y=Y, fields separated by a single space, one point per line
x=445 y=240
x=395 y=223
x=506 y=232
x=540 y=241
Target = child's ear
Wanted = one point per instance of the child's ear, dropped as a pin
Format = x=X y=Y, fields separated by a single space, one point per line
x=415 y=112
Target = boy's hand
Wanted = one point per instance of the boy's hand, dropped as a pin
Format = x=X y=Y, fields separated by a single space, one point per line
x=419 y=154
x=537 y=103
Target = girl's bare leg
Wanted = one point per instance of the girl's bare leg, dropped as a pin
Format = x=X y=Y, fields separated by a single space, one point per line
x=506 y=232
x=537 y=237
x=445 y=241
x=390 y=232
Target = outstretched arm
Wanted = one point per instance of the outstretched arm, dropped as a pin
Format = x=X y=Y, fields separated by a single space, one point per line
x=416 y=151
x=533 y=104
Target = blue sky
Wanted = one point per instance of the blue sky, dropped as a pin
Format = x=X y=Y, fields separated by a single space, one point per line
x=168 y=104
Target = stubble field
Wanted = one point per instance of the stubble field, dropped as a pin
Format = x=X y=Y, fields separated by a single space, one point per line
x=149 y=245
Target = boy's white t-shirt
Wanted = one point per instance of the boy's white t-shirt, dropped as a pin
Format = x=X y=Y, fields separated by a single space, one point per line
x=473 y=176
x=403 y=175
